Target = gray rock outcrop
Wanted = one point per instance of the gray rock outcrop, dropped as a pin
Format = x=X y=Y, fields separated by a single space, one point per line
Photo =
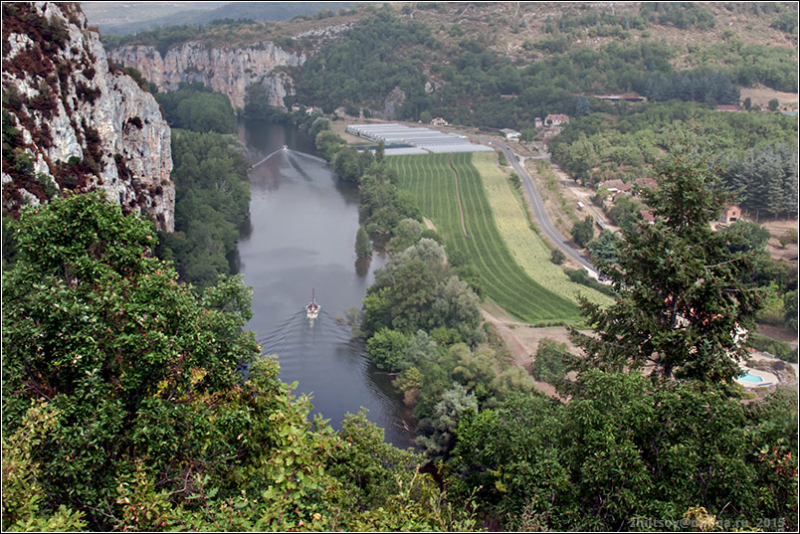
x=224 y=70
x=75 y=121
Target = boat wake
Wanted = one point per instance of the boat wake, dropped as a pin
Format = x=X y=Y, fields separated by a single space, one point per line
x=297 y=331
x=265 y=159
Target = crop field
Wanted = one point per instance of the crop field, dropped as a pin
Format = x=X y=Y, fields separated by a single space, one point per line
x=526 y=246
x=432 y=181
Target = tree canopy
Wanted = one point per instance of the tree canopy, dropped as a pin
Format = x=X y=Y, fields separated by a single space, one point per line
x=131 y=402
x=685 y=300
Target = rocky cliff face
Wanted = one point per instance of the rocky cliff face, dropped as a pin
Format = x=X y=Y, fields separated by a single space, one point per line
x=227 y=71
x=74 y=121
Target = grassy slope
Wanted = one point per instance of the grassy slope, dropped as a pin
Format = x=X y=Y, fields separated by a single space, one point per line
x=527 y=248
x=430 y=179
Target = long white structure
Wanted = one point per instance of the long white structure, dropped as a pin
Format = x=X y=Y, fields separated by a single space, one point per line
x=421 y=140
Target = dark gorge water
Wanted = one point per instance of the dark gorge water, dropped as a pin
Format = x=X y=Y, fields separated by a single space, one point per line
x=304 y=223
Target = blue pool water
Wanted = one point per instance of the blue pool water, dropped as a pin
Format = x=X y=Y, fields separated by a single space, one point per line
x=748 y=377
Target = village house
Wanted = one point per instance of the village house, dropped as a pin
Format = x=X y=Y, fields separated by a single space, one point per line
x=555 y=119
x=730 y=214
x=645 y=183
x=615 y=187
x=537 y=122
x=727 y=107
x=438 y=121
x=295 y=107
x=618 y=187
x=648 y=216
x=511 y=135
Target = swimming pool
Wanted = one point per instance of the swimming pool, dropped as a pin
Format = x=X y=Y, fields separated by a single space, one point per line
x=749 y=377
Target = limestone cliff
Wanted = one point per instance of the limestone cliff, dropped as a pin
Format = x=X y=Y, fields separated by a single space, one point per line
x=224 y=70
x=74 y=121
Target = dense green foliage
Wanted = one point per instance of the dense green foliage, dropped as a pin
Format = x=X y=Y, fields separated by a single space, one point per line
x=688 y=293
x=750 y=64
x=628 y=447
x=417 y=289
x=100 y=330
x=779 y=349
x=431 y=180
x=602 y=146
x=363 y=246
x=604 y=247
x=549 y=364
x=363 y=63
x=583 y=231
x=256 y=105
x=212 y=195
x=682 y=15
x=764 y=178
x=385 y=54
x=625 y=450
x=625 y=212
x=133 y=403
x=194 y=107
x=557 y=256
x=212 y=205
x=383 y=205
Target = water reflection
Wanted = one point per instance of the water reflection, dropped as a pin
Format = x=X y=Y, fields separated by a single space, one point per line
x=303 y=228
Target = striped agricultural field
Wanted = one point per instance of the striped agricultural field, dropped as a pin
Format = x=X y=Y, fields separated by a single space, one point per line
x=526 y=246
x=431 y=180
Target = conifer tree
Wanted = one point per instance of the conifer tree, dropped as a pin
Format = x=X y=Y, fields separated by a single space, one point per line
x=683 y=301
x=363 y=247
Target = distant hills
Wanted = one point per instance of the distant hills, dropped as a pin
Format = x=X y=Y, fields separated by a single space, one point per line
x=135 y=17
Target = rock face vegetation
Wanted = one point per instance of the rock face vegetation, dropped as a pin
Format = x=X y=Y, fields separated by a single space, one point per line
x=72 y=121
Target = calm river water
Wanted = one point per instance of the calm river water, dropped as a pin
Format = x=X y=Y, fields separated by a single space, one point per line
x=304 y=223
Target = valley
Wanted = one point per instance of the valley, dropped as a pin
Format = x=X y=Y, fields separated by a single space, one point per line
x=576 y=310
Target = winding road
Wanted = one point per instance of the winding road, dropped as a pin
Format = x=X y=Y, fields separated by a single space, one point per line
x=537 y=204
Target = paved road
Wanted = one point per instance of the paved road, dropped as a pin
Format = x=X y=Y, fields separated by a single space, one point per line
x=539 y=211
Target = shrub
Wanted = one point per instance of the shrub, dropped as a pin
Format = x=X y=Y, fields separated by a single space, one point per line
x=557 y=256
x=779 y=349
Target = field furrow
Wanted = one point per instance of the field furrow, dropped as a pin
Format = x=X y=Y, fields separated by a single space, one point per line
x=430 y=179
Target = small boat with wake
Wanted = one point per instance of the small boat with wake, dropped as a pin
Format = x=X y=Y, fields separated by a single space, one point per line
x=312 y=309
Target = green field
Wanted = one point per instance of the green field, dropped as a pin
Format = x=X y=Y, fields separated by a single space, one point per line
x=430 y=179
x=526 y=246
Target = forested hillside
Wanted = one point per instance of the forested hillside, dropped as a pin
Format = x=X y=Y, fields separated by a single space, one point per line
x=456 y=60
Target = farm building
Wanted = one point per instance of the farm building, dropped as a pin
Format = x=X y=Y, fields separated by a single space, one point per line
x=554 y=119
x=511 y=135
x=730 y=215
x=403 y=140
x=615 y=186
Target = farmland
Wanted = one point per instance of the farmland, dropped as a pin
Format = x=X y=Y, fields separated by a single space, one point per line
x=527 y=247
x=432 y=180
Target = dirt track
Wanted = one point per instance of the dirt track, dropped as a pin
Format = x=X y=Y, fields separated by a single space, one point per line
x=522 y=340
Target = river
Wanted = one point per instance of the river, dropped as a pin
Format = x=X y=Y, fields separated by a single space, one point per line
x=303 y=228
